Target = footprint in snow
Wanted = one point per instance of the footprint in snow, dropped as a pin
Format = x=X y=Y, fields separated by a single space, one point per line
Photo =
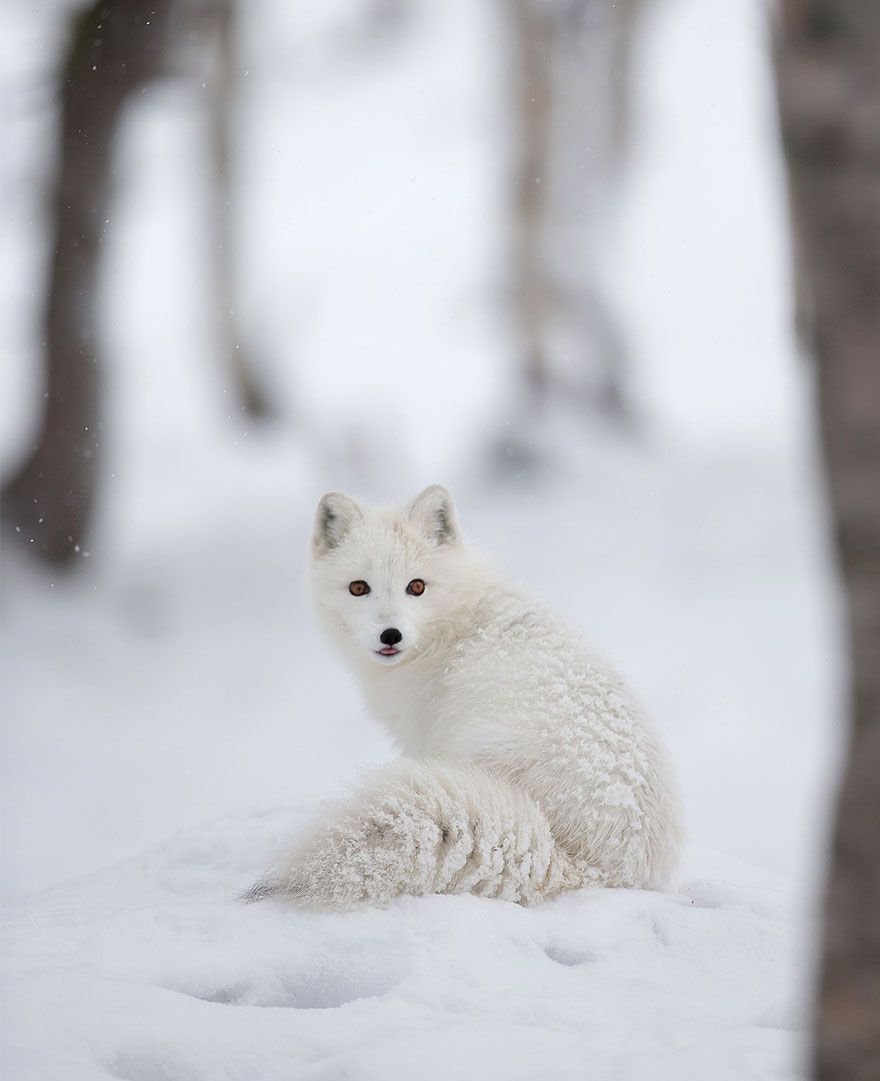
x=302 y=991
x=566 y=955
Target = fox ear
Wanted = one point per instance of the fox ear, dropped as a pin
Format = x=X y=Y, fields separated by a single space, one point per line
x=335 y=516
x=434 y=512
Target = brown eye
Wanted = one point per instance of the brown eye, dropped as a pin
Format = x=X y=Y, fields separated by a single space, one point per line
x=358 y=588
x=416 y=587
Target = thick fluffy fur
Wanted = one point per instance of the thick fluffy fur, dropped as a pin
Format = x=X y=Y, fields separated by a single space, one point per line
x=526 y=768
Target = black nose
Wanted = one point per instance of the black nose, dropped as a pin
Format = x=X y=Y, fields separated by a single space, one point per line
x=390 y=636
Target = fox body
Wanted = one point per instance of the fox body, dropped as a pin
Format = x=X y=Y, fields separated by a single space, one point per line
x=526 y=767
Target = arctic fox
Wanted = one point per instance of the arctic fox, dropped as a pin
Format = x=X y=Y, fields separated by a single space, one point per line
x=526 y=768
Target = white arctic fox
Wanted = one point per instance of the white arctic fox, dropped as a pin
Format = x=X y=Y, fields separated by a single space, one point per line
x=526 y=769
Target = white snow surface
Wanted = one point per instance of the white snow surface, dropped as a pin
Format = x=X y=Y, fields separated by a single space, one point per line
x=153 y=971
x=178 y=689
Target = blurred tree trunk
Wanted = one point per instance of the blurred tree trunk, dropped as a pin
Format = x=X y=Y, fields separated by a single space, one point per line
x=225 y=72
x=828 y=71
x=533 y=27
x=570 y=64
x=115 y=46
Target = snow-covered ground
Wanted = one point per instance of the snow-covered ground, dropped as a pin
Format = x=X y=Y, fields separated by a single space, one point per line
x=178 y=689
x=152 y=971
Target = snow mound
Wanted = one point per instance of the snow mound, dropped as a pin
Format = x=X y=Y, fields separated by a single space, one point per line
x=153 y=970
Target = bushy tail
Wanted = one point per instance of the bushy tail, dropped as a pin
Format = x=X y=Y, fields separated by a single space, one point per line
x=420 y=827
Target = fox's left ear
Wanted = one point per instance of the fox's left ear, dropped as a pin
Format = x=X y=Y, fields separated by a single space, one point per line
x=434 y=512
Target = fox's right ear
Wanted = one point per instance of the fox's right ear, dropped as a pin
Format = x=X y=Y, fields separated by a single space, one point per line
x=335 y=516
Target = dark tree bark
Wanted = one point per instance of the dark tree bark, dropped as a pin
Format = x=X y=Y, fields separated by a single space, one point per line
x=115 y=46
x=828 y=69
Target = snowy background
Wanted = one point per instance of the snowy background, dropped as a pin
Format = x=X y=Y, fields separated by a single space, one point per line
x=176 y=686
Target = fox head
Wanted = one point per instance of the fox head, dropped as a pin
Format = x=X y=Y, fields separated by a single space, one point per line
x=384 y=580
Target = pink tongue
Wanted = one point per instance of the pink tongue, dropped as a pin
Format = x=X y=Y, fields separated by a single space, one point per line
x=389 y=651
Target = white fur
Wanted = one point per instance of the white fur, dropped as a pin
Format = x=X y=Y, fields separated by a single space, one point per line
x=526 y=768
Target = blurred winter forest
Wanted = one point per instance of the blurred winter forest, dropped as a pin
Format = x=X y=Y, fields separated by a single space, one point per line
x=536 y=250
